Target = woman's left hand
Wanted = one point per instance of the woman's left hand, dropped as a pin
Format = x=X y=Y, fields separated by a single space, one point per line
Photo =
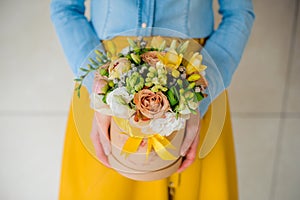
x=190 y=142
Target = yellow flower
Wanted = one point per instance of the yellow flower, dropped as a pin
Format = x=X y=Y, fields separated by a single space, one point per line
x=195 y=64
x=170 y=59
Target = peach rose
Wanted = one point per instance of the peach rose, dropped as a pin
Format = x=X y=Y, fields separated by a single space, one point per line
x=150 y=104
x=150 y=57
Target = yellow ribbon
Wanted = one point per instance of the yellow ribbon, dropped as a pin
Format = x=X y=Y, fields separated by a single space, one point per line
x=155 y=141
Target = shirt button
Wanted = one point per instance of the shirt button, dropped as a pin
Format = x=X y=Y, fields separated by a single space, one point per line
x=144 y=25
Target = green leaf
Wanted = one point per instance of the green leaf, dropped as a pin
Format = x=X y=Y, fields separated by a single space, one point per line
x=175 y=92
x=93 y=62
x=105 y=88
x=135 y=58
x=104 y=98
x=191 y=85
x=103 y=72
x=77 y=79
x=199 y=96
x=99 y=53
x=83 y=69
x=171 y=97
x=193 y=111
x=78 y=93
x=111 y=83
x=90 y=67
x=128 y=57
x=99 y=60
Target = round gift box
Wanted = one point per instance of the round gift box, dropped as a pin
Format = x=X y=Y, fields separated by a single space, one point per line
x=137 y=165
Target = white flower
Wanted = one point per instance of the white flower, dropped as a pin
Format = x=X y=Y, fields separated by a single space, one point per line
x=169 y=124
x=97 y=104
x=183 y=108
x=193 y=105
x=159 y=64
x=118 y=101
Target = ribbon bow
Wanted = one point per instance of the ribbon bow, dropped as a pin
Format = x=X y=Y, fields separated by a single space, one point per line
x=155 y=141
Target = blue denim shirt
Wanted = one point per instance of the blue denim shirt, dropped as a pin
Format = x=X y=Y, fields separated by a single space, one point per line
x=194 y=18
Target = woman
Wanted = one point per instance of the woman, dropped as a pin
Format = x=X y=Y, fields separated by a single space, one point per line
x=213 y=176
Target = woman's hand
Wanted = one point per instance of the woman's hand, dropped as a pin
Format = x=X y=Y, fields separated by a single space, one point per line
x=100 y=137
x=190 y=142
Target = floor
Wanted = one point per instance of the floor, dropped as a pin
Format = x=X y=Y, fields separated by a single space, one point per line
x=36 y=87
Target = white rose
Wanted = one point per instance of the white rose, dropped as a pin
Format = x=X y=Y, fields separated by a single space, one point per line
x=97 y=104
x=169 y=124
x=118 y=101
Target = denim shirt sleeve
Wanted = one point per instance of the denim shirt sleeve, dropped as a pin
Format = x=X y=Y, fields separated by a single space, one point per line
x=227 y=43
x=75 y=32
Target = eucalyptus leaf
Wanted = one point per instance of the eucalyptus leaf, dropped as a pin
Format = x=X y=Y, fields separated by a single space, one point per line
x=98 y=52
x=83 y=69
x=90 y=66
x=93 y=62
x=99 y=59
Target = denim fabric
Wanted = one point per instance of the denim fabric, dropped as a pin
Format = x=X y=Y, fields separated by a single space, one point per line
x=194 y=18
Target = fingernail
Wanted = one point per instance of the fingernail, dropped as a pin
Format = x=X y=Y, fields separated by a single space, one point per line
x=106 y=151
x=183 y=152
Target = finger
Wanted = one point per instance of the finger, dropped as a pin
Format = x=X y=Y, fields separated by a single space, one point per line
x=98 y=147
x=103 y=123
x=189 y=159
x=192 y=129
x=96 y=140
x=190 y=155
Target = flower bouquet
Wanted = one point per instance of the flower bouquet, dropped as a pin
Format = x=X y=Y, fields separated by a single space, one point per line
x=150 y=89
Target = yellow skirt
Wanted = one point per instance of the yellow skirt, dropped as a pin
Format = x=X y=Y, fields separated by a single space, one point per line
x=211 y=178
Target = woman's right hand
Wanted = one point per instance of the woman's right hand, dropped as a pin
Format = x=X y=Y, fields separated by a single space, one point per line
x=100 y=137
